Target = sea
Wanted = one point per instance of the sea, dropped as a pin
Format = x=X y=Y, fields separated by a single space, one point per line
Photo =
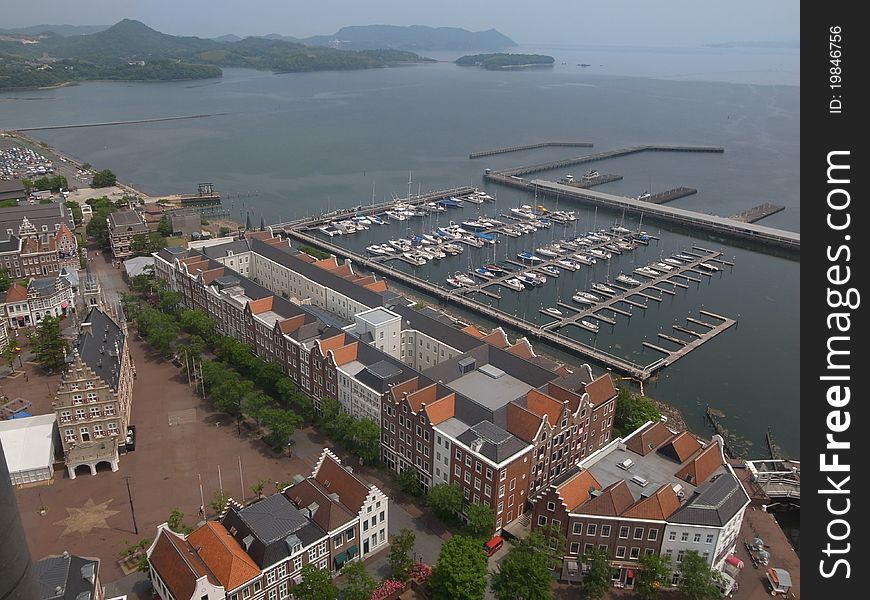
x=280 y=146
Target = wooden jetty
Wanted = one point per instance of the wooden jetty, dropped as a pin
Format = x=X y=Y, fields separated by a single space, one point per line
x=756 y=213
x=669 y=195
x=592 y=182
x=506 y=149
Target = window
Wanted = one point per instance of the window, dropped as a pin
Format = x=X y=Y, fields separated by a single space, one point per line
x=270 y=577
x=366 y=525
x=458 y=454
x=710 y=538
x=468 y=461
x=672 y=536
x=556 y=523
x=513 y=484
x=680 y=555
x=477 y=483
x=488 y=473
x=273 y=595
x=591 y=529
x=587 y=548
x=605 y=531
x=337 y=540
x=457 y=470
x=653 y=535
x=635 y=553
x=620 y=552
x=675 y=579
x=684 y=537
x=602 y=547
x=669 y=554
x=542 y=520
x=502 y=475
x=467 y=477
x=477 y=467
x=383 y=516
x=648 y=551
x=623 y=533
x=578 y=528
x=98 y=431
x=638 y=533
x=551 y=506
x=283 y=591
x=575 y=547
x=501 y=490
x=697 y=538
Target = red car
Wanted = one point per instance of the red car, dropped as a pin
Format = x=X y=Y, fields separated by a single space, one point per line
x=493 y=545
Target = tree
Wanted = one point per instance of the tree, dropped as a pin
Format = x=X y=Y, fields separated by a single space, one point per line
x=481 y=520
x=400 y=562
x=460 y=571
x=522 y=575
x=281 y=424
x=5 y=282
x=168 y=301
x=176 y=522
x=596 y=580
x=258 y=488
x=359 y=585
x=632 y=411
x=697 y=580
x=254 y=405
x=316 y=584
x=8 y=355
x=104 y=178
x=163 y=227
x=48 y=344
x=445 y=500
x=655 y=570
x=219 y=501
x=97 y=227
x=547 y=541
x=363 y=439
x=144 y=244
x=76 y=210
x=408 y=481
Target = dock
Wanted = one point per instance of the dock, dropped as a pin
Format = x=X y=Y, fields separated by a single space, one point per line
x=522 y=147
x=756 y=213
x=585 y=184
x=669 y=195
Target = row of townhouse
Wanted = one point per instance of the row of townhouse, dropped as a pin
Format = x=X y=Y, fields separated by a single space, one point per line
x=654 y=492
x=500 y=409
x=256 y=552
x=37 y=242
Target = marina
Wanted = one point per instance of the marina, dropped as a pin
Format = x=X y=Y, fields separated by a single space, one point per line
x=756 y=213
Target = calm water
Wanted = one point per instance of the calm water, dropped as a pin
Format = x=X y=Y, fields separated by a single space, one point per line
x=313 y=142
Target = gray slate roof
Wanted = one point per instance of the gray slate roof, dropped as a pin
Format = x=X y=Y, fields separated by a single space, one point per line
x=38 y=215
x=714 y=502
x=497 y=444
x=97 y=349
x=66 y=573
x=126 y=219
x=45 y=287
x=269 y=522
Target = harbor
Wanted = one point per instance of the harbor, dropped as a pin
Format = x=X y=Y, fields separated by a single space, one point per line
x=481 y=286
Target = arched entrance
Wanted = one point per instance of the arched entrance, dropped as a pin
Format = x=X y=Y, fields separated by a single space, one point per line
x=82 y=470
x=104 y=466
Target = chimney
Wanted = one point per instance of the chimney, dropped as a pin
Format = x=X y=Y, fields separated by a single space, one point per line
x=87 y=328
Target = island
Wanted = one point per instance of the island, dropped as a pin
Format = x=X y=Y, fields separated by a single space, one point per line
x=132 y=51
x=502 y=60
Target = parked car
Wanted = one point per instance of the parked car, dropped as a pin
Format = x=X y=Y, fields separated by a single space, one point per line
x=131 y=438
x=493 y=545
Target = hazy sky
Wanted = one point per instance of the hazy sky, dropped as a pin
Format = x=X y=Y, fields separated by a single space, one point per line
x=610 y=22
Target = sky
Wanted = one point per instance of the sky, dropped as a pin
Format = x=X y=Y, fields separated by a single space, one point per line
x=668 y=23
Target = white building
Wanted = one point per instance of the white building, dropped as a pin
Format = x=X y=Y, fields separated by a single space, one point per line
x=28 y=444
x=380 y=327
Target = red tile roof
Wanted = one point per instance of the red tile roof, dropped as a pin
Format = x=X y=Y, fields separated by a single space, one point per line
x=600 y=390
x=260 y=306
x=613 y=500
x=331 y=514
x=327 y=263
x=332 y=343
x=16 y=293
x=648 y=439
x=223 y=556
x=291 y=324
x=305 y=257
x=661 y=505
x=575 y=491
x=177 y=564
x=472 y=330
x=522 y=423
x=523 y=349
x=351 y=491
x=426 y=395
x=378 y=286
x=684 y=445
x=562 y=395
x=698 y=469
x=345 y=354
x=544 y=405
x=497 y=338
x=441 y=410
x=211 y=275
x=398 y=391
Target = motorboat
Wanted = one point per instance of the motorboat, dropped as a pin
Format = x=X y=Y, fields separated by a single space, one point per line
x=388 y=249
x=568 y=265
x=529 y=257
x=402 y=245
x=513 y=283
x=591 y=174
x=497 y=269
x=545 y=223
x=330 y=230
x=661 y=266
x=588 y=296
x=550 y=270
x=674 y=262
x=414 y=259
x=589 y=325
x=432 y=207
x=684 y=257
x=581 y=299
x=644 y=196
x=455 y=282
x=377 y=220
x=531 y=279
x=603 y=289
x=483 y=272
x=547 y=252
x=646 y=271
x=511 y=232
x=361 y=220
x=623 y=278
x=464 y=279
x=524 y=211
x=473 y=241
x=453 y=249
x=396 y=215
x=476 y=225
x=473 y=198
x=600 y=253
x=585 y=259
x=709 y=266
x=553 y=311
x=376 y=249
x=450 y=202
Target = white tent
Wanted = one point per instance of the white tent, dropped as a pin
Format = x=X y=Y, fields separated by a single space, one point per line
x=28 y=444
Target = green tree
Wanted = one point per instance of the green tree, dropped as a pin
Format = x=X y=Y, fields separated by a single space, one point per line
x=409 y=482
x=359 y=585
x=445 y=500
x=632 y=411
x=281 y=424
x=363 y=439
x=522 y=575
x=5 y=282
x=144 y=244
x=104 y=178
x=219 y=501
x=547 y=541
x=168 y=301
x=655 y=570
x=596 y=580
x=254 y=406
x=460 y=571
x=316 y=584
x=399 y=559
x=258 y=488
x=9 y=355
x=697 y=580
x=48 y=344
x=163 y=227
x=196 y=322
x=97 y=227
x=481 y=520
x=176 y=522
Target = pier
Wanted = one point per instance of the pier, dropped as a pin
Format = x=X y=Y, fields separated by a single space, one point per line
x=506 y=149
x=669 y=195
x=585 y=183
x=129 y=122
x=756 y=213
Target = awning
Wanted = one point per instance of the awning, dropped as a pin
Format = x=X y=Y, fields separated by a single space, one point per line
x=297 y=579
x=340 y=559
x=352 y=551
x=64 y=304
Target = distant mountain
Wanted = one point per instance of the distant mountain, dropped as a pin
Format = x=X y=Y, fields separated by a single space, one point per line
x=416 y=38
x=64 y=30
x=283 y=38
x=130 y=50
x=230 y=37
x=769 y=44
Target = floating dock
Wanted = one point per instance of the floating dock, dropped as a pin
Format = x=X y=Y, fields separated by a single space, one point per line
x=669 y=195
x=522 y=147
x=584 y=183
x=756 y=213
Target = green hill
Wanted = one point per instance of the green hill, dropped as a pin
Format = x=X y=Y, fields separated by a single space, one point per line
x=505 y=61
x=414 y=38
